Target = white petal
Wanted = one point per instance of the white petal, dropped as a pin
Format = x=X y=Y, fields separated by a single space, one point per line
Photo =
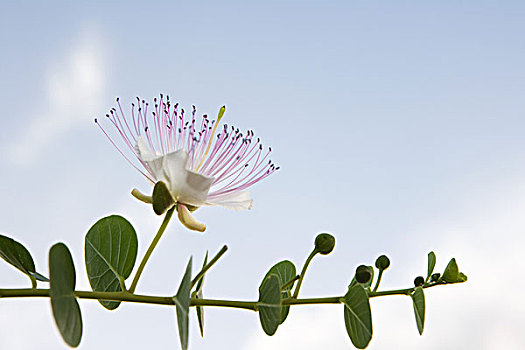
x=154 y=163
x=187 y=186
x=236 y=201
x=143 y=150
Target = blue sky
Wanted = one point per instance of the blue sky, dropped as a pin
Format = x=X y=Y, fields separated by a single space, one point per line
x=398 y=127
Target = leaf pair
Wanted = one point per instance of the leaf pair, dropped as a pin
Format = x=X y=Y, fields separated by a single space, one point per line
x=276 y=286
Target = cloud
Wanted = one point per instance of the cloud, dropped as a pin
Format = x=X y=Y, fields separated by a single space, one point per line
x=75 y=79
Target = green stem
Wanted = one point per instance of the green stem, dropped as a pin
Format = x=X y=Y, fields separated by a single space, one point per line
x=378 y=280
x=151 y=247
x=159 y=300
x=208 y=266
x=290 y=283
x=303 y=272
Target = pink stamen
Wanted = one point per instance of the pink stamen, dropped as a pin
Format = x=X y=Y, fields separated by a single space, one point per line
x=235 y=161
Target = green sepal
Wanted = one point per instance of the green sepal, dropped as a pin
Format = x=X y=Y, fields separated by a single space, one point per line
x=162 y=198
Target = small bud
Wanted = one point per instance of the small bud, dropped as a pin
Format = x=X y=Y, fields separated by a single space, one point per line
x=324 y=243
x=419 y=281
x=383 y=262
x=362 y=274
x=435 y=277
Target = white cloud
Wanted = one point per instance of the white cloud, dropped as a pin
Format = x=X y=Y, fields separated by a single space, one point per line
x=75 y=87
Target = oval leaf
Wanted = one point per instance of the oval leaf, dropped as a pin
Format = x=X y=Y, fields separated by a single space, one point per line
x=431 y=264
x=61 y=291
x=269 y=305
x=286 y=272
x=110 y=252
x=418 y=299
x=451 y=273
x=358 y=316
x=18 y=256
x=162 y=198
x=182 y=304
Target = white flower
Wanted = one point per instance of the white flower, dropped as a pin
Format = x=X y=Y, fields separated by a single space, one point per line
x=199 y=166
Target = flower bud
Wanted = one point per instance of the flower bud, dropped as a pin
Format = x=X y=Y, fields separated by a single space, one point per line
x=419 y=281
x=383 y=262
x=362 y=274
x=324 y=243
x=435 y=277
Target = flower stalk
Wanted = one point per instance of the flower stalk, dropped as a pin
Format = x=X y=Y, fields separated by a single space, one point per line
x=151 y=247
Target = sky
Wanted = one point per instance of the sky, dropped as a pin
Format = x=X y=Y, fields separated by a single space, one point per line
x=398 y=127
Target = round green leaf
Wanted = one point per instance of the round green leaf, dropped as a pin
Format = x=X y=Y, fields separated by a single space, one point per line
x=418 y=299
x=285 y=271
x=358 y=316
x=269 y=305
x=110 y=252
x=66 y=310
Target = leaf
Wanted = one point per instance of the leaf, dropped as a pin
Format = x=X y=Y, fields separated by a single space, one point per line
x=39 y=277
x=61 y=291
x=431 y=264
x=198 y=295
x=18 y=256
x=269 y=305
x=358 y=316
x=451 y=273
x=462 y=277
x=182 y=304
x=286 y=271
x=162 y=198
x=418 y=299
x=110 y=253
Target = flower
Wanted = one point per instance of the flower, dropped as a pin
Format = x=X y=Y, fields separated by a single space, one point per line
x=199 y=165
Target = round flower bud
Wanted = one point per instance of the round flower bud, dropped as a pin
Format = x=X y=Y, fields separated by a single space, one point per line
x=383 y=262
x=435 y=277
x=419 y=281
x=324 y=243
x=362 y=274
